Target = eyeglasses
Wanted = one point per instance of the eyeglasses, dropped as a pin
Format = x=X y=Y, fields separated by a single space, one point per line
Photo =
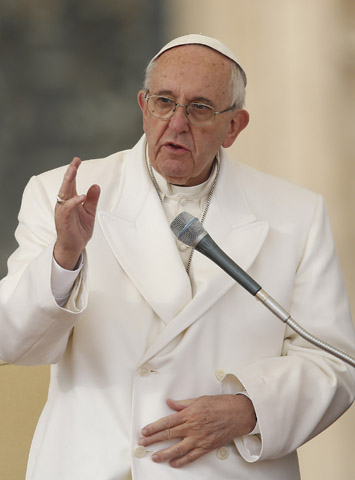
x=198 y=114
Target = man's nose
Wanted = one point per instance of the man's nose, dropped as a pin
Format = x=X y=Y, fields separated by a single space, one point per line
x=179 y=121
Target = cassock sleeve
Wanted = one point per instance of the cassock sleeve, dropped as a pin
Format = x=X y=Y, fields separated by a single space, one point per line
x=34 y=328
x=300 y=393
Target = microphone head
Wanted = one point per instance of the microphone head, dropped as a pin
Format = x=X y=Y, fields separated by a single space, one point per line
x=187 y=229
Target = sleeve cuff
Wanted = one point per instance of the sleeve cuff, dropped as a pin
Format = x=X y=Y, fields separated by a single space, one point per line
x=249 y=446
x=256 y=430
x=62 y=281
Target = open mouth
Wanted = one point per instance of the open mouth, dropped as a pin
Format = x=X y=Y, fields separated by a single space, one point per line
x=176 y=147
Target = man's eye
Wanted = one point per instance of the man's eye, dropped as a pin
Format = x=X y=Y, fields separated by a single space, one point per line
x=164 y=101
x=199 y=107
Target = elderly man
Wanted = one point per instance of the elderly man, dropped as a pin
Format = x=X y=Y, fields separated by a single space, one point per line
x=164 y=367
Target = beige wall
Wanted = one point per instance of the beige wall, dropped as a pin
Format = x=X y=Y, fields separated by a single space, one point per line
x=23 y=391
x=299 y=56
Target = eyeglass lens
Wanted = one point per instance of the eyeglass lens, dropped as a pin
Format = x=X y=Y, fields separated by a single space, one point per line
x=164 y=108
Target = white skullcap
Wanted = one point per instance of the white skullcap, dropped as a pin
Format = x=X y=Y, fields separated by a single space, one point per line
x=202 y=40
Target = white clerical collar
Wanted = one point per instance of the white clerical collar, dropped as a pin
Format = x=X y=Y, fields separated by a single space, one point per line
x=167 y=189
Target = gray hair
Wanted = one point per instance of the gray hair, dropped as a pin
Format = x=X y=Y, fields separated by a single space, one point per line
x=237 y=82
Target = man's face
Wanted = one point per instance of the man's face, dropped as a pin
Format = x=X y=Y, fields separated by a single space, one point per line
x=180 y=152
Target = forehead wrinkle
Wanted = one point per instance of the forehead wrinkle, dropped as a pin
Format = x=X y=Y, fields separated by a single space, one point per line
x=177 y=62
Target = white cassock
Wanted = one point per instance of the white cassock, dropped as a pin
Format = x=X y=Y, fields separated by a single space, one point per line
x=137 y=330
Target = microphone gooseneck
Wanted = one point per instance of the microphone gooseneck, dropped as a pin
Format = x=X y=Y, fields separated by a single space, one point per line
x=190 y=231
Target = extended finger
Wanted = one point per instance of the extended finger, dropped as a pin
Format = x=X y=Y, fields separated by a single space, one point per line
x=178 y=450
x=68 y=187
x=167 y=434
x=179 y=405
x=189 y=457
x=164 y=423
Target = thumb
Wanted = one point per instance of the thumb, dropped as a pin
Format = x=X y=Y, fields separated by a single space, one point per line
x=92 y=198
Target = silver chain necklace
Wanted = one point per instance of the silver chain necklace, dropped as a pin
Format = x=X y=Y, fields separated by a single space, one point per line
x=204 y=213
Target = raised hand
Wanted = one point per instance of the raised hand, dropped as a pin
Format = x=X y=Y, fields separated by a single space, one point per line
x=74 y=218
x=201 y=425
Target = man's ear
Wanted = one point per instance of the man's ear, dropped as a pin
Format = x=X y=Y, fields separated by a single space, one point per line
x=142 y=104
x=238 y=122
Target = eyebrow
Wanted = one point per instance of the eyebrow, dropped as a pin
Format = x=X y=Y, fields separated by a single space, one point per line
x=205 y=100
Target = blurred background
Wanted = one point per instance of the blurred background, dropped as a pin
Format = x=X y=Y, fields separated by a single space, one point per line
x=69 y=74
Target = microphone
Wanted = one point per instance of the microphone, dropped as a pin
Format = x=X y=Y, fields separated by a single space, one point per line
x=189 y=230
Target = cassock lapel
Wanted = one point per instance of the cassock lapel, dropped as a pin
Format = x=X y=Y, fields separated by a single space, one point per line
x=140 y=238
x=240 y=235
x=142 y=242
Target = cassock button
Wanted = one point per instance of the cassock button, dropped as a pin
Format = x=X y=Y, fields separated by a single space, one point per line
x=144 y=371
x=140 y=452
x=220 y=374
x=223 y=453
